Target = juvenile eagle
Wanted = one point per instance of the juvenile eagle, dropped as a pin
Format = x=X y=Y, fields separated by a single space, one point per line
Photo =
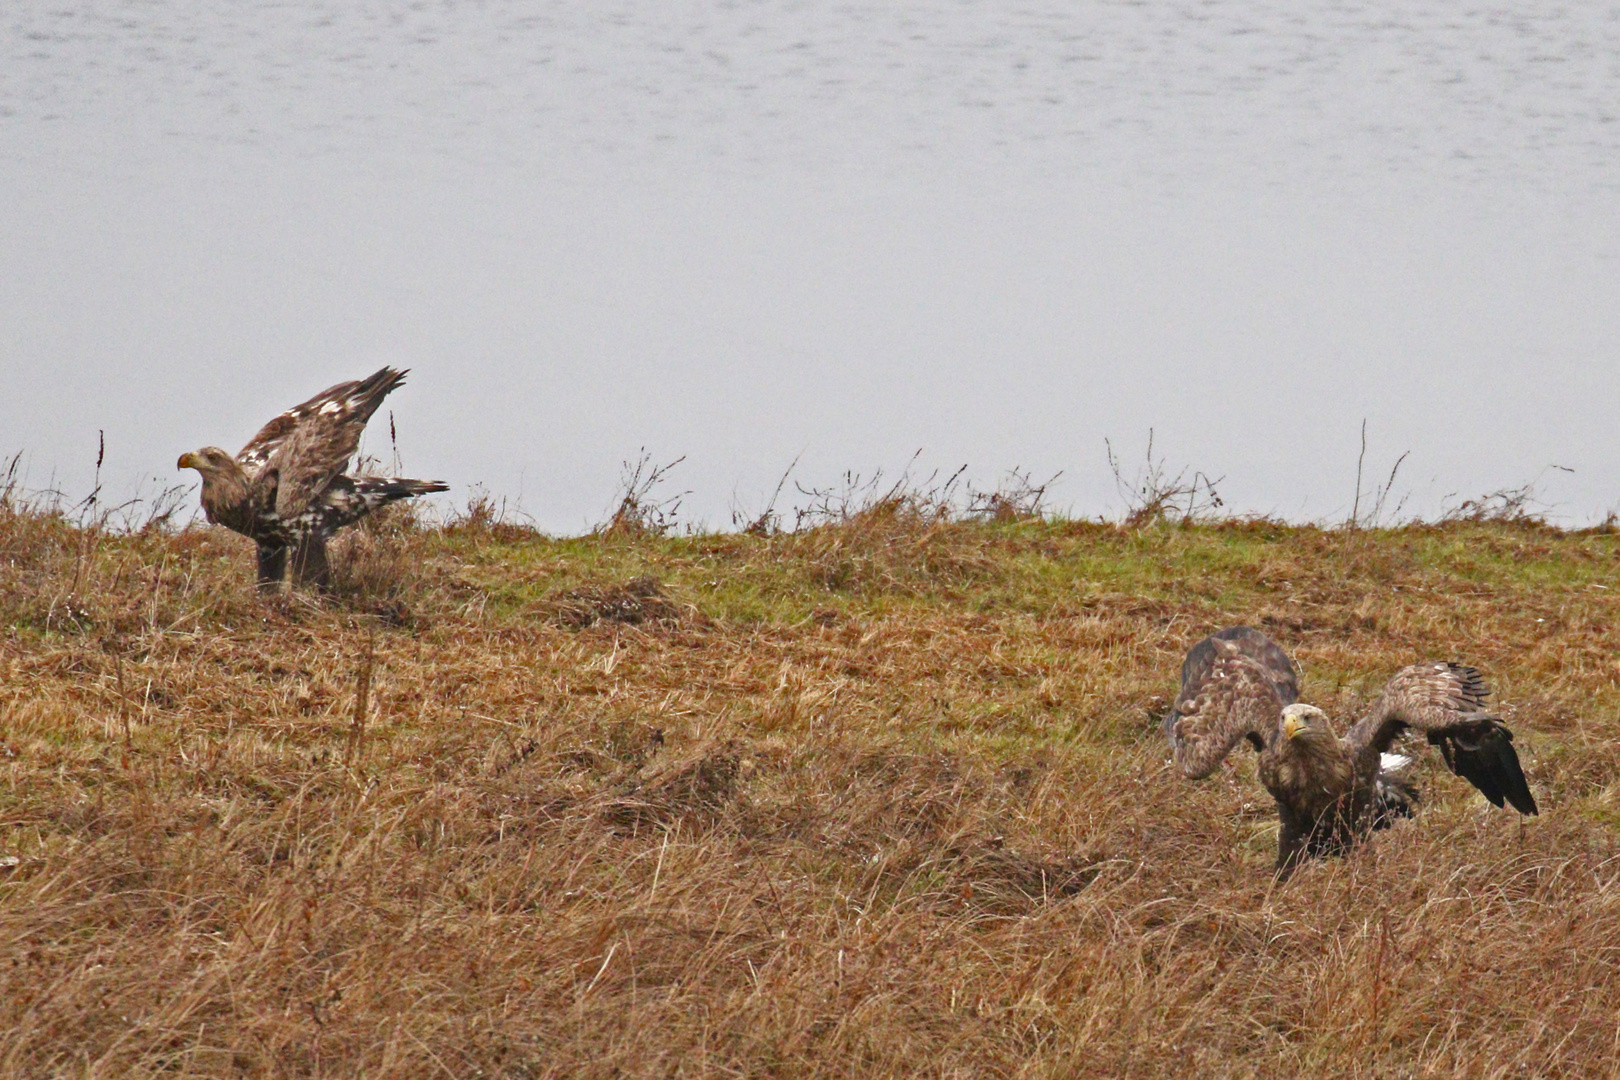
x=1239 y=685
x=286 y=490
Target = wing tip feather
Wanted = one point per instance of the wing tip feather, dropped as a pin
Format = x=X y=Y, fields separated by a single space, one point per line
x=1493 y=767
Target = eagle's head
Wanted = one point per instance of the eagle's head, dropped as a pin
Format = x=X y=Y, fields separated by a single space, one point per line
x=224 y=484
x=210 y=461
x=1307 y=729
x=1309 y=763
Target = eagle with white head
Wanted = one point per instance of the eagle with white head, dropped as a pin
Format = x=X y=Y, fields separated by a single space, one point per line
x=1240 y=686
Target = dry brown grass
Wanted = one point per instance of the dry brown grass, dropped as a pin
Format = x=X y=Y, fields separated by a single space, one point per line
x=882 y=798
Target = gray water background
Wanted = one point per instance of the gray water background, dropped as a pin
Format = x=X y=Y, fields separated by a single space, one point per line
x=751 y=232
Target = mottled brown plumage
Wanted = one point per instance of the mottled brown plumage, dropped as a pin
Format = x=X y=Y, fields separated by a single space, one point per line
x=1240 y=686
x=286 y=489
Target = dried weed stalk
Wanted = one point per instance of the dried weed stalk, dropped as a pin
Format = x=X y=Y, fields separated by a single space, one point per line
x=484 y=516
x=768 y=522
x=1374 y=517
x=639 y=512
x=1153 y=495
x=1520 y=505
x=1017 y=498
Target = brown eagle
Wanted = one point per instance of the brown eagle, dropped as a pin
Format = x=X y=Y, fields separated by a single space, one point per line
x=1239 y=685
x=286 y=490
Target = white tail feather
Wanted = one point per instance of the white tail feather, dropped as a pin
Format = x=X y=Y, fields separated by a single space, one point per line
x=1392 y=762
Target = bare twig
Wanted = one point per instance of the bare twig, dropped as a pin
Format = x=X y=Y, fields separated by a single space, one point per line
x=1375 y=516
x=1154 y=495
x=638 y=512
x=1520 y=504
x=1017 y=498
x=768 y=521
x=1355 y=507
x=1383 y=492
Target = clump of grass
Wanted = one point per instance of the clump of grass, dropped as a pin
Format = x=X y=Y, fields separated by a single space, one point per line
x=873 y=535
x=1017 y=498
x=1519 y=504
x=917 y=824
x=1153 y=495
x=484 y=517
x=639 y=511
x=635 y=602
x=375 y=572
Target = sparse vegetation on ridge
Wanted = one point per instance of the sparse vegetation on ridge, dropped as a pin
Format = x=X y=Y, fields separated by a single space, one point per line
x=882 y=797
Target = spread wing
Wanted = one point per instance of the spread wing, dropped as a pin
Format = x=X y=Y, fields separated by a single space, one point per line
x=1446 y=702
x=309 y=444
x=1226 y=696
x=1251 y=643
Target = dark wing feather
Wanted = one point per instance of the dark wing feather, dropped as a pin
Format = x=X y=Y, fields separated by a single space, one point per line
x=1231 y=698
x=308 y=445
x=1446 y=702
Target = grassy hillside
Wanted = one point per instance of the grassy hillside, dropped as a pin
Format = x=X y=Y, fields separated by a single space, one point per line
x=882 y=798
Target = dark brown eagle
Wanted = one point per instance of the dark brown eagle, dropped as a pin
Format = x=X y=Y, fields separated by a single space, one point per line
x=1239 y=685
x=286 y=490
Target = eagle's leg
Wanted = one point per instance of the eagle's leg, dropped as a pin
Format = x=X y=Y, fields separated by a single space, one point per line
x=272 y=567
x=1293 y=841
x=309 y=564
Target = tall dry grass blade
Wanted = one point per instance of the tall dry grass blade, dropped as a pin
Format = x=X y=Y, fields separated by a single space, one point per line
x=123 y=697
x=362 y=696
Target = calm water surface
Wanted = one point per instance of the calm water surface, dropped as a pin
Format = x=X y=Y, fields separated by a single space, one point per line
x=755 y=232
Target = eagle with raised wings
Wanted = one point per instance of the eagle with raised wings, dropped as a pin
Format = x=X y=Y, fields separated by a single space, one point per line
x=1239 y=685
x=287 y=490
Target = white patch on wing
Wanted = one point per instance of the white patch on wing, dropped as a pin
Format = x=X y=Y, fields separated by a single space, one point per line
x=1392 y=762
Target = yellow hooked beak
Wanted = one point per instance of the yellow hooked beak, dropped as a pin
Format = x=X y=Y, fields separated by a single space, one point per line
x=189 y=461
x=1293 y=725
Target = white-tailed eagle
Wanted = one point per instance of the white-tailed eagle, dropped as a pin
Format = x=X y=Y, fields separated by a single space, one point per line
x=1240 y=686
x=287 y=490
